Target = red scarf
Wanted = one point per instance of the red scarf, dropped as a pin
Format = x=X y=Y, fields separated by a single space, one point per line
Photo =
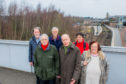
x=80 y=46
x=44 y=47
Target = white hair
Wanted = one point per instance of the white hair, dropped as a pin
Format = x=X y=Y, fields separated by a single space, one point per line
x=44 y=35
x=55 y=28
x=65 y=35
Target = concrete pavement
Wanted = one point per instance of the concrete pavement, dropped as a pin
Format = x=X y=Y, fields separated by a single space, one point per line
x=116 y=39
x=8 y=76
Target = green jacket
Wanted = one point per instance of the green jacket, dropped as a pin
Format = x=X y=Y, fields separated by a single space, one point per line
x=46 y=63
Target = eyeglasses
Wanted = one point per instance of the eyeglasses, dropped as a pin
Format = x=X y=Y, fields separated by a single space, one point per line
x=44 y=39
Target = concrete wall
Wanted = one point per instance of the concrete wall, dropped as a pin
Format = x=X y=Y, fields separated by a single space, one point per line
x=14 y=55
x=117 y=61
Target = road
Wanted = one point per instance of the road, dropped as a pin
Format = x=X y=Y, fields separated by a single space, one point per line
x=116 y=39
x=97 y=30
x=8 y=76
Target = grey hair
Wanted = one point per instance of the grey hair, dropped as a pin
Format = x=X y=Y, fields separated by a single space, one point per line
x=44 y=35
x=55 y=28
x=65 y=35
x=37 y=28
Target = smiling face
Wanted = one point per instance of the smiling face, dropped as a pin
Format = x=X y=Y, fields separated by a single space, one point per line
x=79 y=38
x=36 y=33
x=94 y=48
x=44 y=40
x=54 y=33
x=65 y=40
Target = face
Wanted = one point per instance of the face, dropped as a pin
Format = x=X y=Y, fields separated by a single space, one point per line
x=94 y=48
x=36 y=33
x=66 y=40
x=79 y=38
x=54 y=33
x=44 y=41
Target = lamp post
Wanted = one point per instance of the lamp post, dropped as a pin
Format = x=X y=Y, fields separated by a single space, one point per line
x=97 y=30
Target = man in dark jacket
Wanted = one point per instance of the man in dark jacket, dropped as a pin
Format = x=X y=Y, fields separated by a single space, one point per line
x=46 y=61
x=70 y=61
x=55 y=39
x=33 y=43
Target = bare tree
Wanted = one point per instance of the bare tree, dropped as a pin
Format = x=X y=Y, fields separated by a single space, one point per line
x=18 y=24
x=1 y=13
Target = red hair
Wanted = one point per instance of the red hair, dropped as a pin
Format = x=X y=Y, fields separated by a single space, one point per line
x=91 y=43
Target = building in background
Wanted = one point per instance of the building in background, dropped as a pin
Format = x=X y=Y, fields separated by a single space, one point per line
x=118 y=21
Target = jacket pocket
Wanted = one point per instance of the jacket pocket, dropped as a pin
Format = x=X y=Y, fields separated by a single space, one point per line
x=38 y=72
x=50 y=61
x=50 y=73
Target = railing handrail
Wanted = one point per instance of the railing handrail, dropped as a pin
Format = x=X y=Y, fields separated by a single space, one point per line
x=14 y=42
x=104 y=48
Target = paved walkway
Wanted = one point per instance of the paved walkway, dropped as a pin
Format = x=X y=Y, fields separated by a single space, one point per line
x=116 y=39
x=123 y=36
x=8 y=76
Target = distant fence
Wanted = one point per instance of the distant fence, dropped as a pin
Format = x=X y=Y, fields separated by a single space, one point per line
x=14 y=55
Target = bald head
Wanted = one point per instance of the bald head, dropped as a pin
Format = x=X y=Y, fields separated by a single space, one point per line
x=65 y=39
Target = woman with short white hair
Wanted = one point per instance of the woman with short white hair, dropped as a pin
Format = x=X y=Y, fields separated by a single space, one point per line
x=46 y=61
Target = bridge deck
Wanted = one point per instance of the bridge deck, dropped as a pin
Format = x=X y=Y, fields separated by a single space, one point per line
x=9 y=76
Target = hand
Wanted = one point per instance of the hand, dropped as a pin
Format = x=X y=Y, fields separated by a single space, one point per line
x=72 y=82
x=85 y=63
x=59 y=77
x=31 y=63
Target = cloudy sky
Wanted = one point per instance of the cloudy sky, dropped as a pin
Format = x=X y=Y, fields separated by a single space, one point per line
x=84 y=8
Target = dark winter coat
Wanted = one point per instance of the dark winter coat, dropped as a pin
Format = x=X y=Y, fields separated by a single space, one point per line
x=57 y=42
x=46 y=62
x=32 y=47
x=70 y=64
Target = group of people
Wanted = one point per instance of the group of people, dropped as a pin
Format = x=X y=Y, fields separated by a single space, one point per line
x=57 y=58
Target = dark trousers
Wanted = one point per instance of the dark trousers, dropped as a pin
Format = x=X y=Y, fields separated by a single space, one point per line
x=39 y=81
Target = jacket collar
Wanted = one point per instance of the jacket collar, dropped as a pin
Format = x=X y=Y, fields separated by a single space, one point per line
x=100 y=53
x=80 y=42
x=56 y=38
x=46 y=48
x=34 y=39
x=72 y=46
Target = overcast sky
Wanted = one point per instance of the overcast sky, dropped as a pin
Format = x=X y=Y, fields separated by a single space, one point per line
x=84 y=8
